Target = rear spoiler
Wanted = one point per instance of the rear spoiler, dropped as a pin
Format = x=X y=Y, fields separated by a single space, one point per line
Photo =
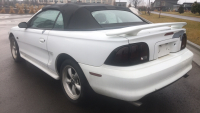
x=135 y=29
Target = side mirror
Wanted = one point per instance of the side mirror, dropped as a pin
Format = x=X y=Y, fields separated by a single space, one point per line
x=23 y=25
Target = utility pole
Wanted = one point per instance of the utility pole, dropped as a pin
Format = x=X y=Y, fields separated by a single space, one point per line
x=149 y=3
x=149 y=7
x=160 y=9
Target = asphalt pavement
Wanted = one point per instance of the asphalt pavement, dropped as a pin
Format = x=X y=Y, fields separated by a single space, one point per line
x=179 y=16
x=26 y=89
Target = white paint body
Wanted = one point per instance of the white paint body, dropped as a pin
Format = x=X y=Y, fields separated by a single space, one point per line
x=91 y=48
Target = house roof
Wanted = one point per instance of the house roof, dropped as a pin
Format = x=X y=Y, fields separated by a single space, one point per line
x=190 y=3
x=172 y=2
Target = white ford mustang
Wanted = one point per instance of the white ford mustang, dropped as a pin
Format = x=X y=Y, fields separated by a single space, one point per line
x=102 y=48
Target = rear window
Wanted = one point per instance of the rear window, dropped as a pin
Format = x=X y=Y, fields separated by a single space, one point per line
x=106 y=17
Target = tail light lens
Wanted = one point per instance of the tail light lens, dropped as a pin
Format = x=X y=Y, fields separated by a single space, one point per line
x=129 y=55
x=184 y=41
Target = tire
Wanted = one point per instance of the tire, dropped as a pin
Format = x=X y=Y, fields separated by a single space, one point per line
x=73 y=81
x=15 y=50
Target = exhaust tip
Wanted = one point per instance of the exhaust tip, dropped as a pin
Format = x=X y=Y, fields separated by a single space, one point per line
x=136 y=103
x=186 y=75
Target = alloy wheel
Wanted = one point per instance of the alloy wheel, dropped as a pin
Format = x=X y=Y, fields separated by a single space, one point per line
x=14 y=49
x=71 y=82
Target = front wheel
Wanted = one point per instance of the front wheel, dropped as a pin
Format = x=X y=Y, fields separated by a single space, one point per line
x=15 y=50
x=73 y=81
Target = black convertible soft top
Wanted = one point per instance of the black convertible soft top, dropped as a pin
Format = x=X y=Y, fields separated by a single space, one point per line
x=77 y=16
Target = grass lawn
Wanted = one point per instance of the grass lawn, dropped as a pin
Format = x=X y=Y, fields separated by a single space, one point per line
x=183 y=14
x=192 y=27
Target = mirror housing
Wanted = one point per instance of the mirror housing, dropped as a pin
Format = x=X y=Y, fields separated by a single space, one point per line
x=23 y=25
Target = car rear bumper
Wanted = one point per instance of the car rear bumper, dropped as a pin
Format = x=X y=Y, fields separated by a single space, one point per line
x=134 y=82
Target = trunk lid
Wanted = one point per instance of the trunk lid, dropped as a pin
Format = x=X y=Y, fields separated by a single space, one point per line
x=162 y=39
x=159 y=43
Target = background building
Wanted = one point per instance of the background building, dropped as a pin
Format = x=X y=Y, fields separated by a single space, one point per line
x=164 y=4
x=188 y=6
x=9 y=2
x=176 y=7
x=121 y=4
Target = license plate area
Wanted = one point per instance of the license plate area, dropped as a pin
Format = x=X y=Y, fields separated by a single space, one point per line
x=166 y=47
x=163 y=49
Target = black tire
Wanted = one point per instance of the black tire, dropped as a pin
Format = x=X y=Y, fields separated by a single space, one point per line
x=66 y=65
x=16 y=55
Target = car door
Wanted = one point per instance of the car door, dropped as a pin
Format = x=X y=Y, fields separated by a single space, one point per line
x=35 y=47
x=53 y=39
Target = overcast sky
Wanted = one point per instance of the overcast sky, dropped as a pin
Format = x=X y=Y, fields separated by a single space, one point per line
x=180 y=1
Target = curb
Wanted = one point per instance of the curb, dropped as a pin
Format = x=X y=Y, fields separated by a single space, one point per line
x=193 y=45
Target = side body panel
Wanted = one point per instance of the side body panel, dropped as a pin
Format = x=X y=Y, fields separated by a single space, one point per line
x=30 y=44
x=93 y=47
x=87 y=47
x=32 y=50
x=35 y=45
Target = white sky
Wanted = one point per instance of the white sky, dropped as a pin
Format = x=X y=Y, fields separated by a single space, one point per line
x=180 y=1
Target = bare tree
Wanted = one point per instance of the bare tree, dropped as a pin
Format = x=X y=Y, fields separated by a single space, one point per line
x=135 y=2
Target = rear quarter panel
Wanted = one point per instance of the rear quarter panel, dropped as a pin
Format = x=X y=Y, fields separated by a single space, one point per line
x=86 y=47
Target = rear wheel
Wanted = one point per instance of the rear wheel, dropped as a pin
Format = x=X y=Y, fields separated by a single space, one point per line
x=73 y=81
x=15 y=50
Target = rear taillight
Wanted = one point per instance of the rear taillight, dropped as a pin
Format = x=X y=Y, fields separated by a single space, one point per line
x=184 y=41
x=129 y=55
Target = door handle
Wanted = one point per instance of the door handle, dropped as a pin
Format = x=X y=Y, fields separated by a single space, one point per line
x=42 y=40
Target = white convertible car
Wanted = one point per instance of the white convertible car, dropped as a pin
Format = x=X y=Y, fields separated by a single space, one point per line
x=102 y=48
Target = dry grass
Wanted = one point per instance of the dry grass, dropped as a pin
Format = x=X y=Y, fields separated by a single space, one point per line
x=184 y=14
x=192 y=27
